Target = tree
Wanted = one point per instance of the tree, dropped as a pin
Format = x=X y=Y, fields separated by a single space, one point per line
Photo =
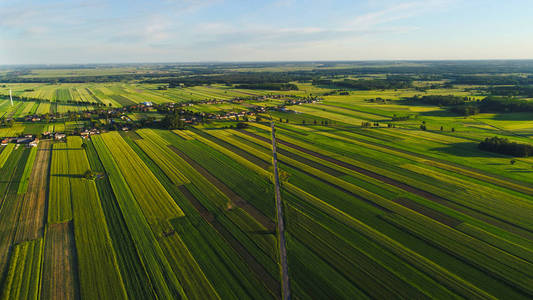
x=423 y=127
x=453 y=129
x=513 y=161
x=441 y=128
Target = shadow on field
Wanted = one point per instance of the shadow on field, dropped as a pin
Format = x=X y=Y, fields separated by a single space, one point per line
x=520 y=171
x=67 y=175
x=521 y=116
x=438 y=113
x=466 y=149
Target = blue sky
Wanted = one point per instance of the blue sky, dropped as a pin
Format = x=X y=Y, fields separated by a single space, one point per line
x=103 y=31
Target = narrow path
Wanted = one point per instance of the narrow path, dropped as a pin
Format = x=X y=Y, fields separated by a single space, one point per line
x=285 y=286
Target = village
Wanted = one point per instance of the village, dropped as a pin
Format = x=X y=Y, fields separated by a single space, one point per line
x=118 y=118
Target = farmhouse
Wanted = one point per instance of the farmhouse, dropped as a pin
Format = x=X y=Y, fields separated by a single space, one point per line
x=60 y=136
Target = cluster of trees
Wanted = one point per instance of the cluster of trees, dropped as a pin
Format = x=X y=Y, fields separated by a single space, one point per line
x=505 y=104
x=251 y=78
x=491 y=80
x=504 y=146
x=466 y=110
x=268 y=86
x=515 y=90
x=392 y=82
x=7 y=122
x=440 y=100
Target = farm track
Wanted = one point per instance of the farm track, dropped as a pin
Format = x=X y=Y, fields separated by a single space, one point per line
x=60 y=279
x=261 y=273
x=518 y=230
x=282 y=243
x=32 y=218
x=236 y=199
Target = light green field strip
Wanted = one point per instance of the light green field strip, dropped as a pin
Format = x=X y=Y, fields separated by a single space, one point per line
x=161 y=154
x=158 y=269
x=4 y=155
x=59 y=200
x=329 y=115
x=23 y=280
x=23 y=185
x=98 y=268
x=155 y=201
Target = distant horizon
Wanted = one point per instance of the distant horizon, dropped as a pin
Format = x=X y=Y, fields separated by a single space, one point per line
x=103 y=31
x=267 y=62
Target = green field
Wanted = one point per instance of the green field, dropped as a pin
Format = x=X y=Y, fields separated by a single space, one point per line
x=384 y=211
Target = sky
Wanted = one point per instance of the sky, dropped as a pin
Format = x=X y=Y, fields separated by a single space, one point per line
x=127 y=31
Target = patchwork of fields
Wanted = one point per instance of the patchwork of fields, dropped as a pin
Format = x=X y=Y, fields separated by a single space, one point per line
x=375 y=206
x=371 y=213
x=113 y=94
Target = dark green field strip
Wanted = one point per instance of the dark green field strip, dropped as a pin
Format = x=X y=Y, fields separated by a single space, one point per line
x=250 y=245
x=433 y=270
x=93 y=95
x=62 y=94
x=156 y=267
x=53 y=107
x=230 y=192
x=133 y=273
x=239 y=279
x=518 y=250
x=374 y=279
x=123 y=101
x=11 y=203
x=252 y=264
x=510 y=269
x=240 y=184
x=316 y=276
x=60 y=272
x=330 y=227
x=265 y=164
x=189 y=273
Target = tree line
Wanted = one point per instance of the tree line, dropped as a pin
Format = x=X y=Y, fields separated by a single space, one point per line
x=504 y=146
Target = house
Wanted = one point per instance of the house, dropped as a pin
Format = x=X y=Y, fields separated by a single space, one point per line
x=34 y=143
x=5 y=142
x=23 y=140
x=60 y=136
x=147 y=103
